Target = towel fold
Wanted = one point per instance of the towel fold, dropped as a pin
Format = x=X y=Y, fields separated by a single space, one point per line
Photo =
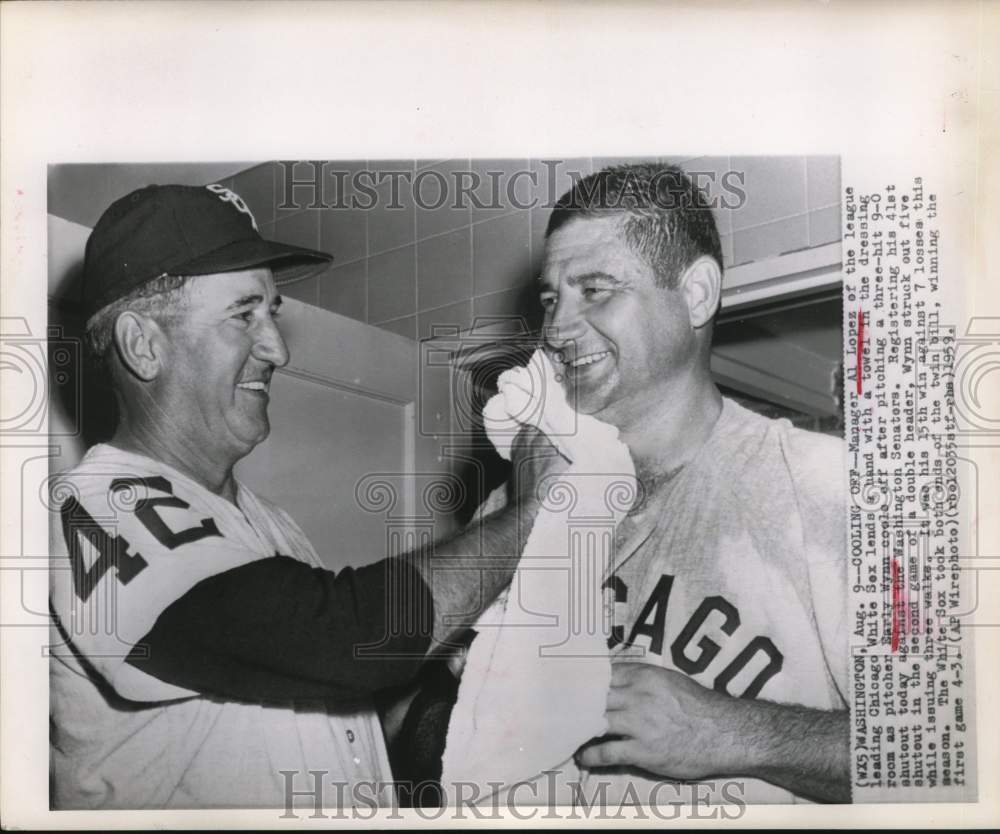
x=536 y=678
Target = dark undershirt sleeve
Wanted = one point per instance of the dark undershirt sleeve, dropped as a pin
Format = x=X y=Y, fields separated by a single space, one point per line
x=278 y=629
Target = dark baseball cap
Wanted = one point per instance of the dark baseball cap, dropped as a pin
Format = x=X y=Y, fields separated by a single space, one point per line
x=182 y=230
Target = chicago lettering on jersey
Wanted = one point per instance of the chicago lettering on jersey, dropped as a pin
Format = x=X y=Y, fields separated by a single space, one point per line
x=695 y=657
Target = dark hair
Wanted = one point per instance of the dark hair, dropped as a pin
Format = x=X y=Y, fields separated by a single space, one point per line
x=667 y=219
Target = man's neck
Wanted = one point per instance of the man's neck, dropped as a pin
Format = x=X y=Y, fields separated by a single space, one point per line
x=215 y=477
x=670 y=431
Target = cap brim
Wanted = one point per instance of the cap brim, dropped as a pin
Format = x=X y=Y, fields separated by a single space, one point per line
x=288 y=263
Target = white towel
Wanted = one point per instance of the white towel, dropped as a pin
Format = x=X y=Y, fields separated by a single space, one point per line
x=536 y=678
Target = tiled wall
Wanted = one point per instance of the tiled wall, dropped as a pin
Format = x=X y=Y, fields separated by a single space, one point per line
x=407 y=265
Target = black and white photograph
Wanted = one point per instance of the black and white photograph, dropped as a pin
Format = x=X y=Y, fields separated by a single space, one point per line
x=389 y=442
x=268 y=539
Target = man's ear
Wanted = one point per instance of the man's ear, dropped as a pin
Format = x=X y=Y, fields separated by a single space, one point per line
x=139 y=344
x=701 y=285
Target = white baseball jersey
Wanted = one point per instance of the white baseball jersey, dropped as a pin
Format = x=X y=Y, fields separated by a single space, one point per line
x=132 y=536
x=734 y=573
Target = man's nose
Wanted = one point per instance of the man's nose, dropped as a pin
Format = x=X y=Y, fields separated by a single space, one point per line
x=269 y=346
x=562 y=325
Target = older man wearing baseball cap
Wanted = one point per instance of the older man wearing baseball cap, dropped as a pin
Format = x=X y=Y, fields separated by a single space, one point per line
x=208 y=659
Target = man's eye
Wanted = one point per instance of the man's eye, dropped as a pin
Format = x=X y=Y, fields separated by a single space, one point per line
x=246 y=316
x=594 y=292
x=548 y=301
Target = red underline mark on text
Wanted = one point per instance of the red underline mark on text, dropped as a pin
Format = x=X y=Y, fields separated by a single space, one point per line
x=897 y=604
x=860 y=364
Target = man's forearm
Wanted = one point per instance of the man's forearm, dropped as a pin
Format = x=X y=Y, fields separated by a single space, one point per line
x=662 y=721
x=466 y=573
x=804 y=750
x=278 y=628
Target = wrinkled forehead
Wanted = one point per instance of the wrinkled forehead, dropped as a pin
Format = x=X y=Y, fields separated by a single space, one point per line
x=585 y=245
x=226 y=288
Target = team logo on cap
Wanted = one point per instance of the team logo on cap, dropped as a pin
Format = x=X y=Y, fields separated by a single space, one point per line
x=228 y=196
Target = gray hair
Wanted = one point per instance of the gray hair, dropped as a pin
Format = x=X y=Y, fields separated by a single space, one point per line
x=160 y=298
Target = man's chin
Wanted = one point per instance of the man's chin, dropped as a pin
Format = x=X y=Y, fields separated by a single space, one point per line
x=591 y=393
x=262 y=435
x=252 y=436
x=600 y=408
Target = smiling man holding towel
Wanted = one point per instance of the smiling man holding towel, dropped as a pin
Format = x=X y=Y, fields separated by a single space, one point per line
x=728 y=638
